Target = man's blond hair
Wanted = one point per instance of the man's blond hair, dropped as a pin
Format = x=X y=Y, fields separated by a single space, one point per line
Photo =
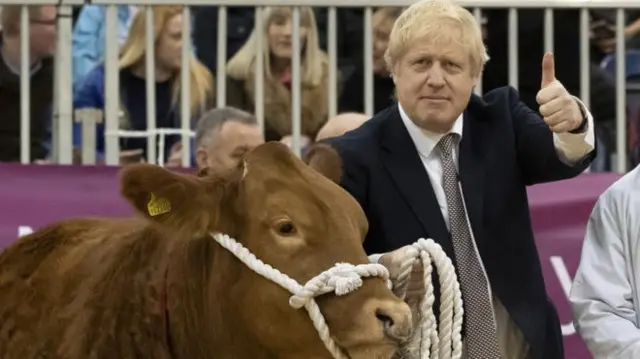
x=441 y=22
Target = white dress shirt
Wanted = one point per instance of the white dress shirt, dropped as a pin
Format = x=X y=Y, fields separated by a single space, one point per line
x=570 y=147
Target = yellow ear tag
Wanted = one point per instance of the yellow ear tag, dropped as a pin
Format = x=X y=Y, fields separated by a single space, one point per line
x=158 y=206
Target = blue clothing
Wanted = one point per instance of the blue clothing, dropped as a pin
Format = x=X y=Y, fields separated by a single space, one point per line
x=133 y=99
x=89 y=34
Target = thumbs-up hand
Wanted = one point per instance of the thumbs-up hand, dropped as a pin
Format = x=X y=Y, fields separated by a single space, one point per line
x=558 y=108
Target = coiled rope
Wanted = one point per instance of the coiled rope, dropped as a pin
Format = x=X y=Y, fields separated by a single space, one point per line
x=344 y=278
x=429 y=341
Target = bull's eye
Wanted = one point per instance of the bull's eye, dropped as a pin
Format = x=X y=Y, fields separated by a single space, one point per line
x=286 y=228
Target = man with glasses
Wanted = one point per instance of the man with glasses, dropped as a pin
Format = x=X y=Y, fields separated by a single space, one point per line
x=42 y=44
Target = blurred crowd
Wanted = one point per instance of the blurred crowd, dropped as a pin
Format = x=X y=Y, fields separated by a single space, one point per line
x=224 y=134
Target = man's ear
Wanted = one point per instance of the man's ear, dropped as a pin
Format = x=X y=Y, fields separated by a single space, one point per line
x=181 y=202
x=326 y=160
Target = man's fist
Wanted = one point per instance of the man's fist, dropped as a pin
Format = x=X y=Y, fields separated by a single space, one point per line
x=558 y=108
x=393 y=262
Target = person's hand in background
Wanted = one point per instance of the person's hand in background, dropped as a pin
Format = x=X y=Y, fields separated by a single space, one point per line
x=175 y=156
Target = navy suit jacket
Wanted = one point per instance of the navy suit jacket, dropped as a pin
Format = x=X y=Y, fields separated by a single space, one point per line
x=505 y=147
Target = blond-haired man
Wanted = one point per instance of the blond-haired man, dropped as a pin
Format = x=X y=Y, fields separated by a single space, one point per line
x=446 y=164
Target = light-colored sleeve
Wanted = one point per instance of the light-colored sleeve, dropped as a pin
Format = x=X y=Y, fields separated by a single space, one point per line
x=572 y=147
x=374 y=258
x=602 y=292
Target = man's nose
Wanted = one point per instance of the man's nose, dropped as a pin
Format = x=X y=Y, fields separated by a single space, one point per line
x=435 y=76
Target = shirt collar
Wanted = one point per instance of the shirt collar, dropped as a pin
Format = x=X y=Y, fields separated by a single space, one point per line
x=424 y=140
x=15 y=68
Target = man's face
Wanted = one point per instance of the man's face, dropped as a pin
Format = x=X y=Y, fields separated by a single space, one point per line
x=434 y=82
x=42 y=32
x=227 y=145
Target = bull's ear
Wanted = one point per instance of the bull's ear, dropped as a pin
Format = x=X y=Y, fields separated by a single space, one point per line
x=181 y=202
x=326 y=160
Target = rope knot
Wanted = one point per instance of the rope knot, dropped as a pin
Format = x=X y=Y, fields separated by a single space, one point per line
x=345 y=278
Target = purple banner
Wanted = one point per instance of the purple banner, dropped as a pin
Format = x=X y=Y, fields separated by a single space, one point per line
x=33 y=196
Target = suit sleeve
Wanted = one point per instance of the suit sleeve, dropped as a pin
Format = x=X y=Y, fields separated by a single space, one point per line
x=354 y=176
x=541 y=157
x=572 y=147
x=601 y=296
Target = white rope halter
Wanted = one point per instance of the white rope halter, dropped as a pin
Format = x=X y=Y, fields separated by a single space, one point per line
x=344 y=278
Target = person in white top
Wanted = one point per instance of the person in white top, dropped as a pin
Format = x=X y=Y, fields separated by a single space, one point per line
x=605 y=296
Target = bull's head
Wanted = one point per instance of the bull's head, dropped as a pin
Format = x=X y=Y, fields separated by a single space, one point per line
x=293 y=217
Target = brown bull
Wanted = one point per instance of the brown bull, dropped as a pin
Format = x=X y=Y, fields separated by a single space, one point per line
x=158 y=286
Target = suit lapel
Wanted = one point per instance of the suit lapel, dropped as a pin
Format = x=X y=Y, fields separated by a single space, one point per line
x=402 y=161
x=471 y=168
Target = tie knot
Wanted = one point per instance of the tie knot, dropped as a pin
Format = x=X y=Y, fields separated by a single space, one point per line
x=446 y=144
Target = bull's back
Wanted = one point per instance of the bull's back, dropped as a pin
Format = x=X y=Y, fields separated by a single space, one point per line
x=58 y=282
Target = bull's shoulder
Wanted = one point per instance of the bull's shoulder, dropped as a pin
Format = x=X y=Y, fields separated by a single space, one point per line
x=70 y=275
x=70 y=245
x=37 y=246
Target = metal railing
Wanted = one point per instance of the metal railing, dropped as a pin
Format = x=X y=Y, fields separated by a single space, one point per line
x=64 y=114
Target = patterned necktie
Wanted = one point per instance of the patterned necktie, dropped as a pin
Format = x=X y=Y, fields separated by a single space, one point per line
x=480 y=328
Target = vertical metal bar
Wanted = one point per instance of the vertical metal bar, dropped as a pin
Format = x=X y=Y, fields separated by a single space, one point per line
x=150 y=82
x=185 y=80
x=62 y=127
x=585 y=46
x=513 y=47
x=477 y=13
x=221 y=61
x=621 y=85
x=57 y=69
x=25 y=88
x=368 y=62
x=585 y=83
x=295 y=83
x=332 y=35
x=89 y=117
x=548 y=30
x=259 y=67
x=112 y=85
x=161 y=144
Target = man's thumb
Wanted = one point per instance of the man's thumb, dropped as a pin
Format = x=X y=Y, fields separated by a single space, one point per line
x=548 y=69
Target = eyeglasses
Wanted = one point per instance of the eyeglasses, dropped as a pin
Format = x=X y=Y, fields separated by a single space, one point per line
x=51 y=22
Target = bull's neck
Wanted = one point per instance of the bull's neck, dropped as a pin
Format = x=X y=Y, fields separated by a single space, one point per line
x=205 y=322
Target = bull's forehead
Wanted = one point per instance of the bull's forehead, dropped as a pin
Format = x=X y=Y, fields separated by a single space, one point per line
x=274 y=170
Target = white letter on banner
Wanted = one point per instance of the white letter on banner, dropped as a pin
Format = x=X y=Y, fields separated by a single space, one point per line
x=24 y=230
x=565 y=281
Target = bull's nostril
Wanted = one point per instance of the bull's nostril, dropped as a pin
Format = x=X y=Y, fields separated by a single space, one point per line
x=396 y=321
x=384 y=318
